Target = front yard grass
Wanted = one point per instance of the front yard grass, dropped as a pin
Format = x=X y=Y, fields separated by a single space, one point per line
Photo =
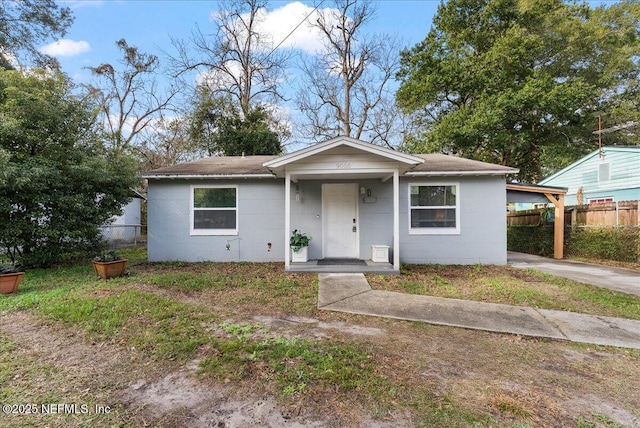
x=164 y=317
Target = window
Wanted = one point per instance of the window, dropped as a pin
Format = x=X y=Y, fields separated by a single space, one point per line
x=434 y=209
x=604 y=172
x=214 y=210
x=602 y=200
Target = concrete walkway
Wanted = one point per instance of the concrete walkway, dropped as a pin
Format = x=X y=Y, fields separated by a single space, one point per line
x=613 y=278
x=350 y=292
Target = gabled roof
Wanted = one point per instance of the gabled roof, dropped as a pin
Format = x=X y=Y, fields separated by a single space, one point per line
x=266 y=166
x=343 y=141
x=217 y=167
x=627 y=149
x=439 y=165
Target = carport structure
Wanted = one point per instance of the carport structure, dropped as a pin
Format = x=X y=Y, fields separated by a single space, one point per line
x=518 y=192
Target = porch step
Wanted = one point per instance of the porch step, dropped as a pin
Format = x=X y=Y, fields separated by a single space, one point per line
x=341 y=262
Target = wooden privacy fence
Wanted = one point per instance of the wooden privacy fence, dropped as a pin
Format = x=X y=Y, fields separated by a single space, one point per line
x=611 y=214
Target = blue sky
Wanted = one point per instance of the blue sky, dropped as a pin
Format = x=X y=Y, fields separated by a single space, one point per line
x=149 y=25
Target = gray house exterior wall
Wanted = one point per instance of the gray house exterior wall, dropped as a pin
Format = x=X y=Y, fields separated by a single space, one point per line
x=375 y=218
x=261 y=220
x=483 y=230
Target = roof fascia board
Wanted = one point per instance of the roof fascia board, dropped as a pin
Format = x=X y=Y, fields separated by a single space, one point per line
x=631 y=149
x=567 y=168
x=536 y=188
x=347 y=141
x=138 y=194
x=206 y=176
x=457 y=173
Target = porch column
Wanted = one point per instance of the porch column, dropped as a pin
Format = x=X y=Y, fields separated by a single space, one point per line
x=396 y=221
x=287 y=218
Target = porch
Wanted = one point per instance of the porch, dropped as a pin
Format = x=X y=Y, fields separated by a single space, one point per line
x=366 y=266
x=345 y=194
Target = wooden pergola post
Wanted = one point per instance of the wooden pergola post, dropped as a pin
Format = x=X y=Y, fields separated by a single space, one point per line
x=555 y=195
x=558 y=225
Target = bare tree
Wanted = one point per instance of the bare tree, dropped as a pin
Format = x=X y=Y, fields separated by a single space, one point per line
x=345 y=90
x=236 y=60
x=170 y=144
x=130 y=99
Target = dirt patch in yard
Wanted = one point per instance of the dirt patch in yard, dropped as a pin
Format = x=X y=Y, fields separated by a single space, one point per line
x=169 y=396
x=180 y=399
x=146 y=393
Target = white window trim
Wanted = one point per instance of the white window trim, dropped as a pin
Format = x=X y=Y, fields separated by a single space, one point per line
x=435 y=230
x=212 y=232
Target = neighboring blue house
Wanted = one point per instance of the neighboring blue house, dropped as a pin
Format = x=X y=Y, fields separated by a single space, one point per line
x=612 y=175
x=356 y=200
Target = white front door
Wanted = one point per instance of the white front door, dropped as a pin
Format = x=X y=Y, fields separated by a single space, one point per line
x=340 y=220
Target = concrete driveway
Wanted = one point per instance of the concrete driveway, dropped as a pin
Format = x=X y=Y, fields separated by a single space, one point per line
x=618 y=279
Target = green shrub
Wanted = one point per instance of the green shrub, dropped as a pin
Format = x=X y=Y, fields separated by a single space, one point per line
x=604 y=243
x=108 y=256
x=536 y=240
x=6 y=268
x=593 y=243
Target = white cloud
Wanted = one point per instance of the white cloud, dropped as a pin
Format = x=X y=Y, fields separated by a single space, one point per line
x=290 y=27
x=217 y=79
x=66 y=47
x=279 y=23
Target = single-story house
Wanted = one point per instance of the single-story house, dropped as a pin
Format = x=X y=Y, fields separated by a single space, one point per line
x=610 y=174
x=352 y=197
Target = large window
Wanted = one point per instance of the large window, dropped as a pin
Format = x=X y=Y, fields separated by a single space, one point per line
x=434 y=209
x=214 y=210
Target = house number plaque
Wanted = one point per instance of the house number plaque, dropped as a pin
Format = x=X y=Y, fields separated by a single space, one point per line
x=343 y=165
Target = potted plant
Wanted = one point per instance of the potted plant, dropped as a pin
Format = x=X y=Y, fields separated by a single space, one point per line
x=299 y=243
x=10 y=276
x=109 y=264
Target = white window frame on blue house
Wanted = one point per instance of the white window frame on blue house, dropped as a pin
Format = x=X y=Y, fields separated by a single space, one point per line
x=434 y=230
x=213 y=231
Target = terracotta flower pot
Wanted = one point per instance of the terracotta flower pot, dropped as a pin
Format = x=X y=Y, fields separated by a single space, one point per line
x=106 y=270
x=9 y=282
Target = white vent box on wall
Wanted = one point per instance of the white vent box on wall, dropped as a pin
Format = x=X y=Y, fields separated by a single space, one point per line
x=380 y=253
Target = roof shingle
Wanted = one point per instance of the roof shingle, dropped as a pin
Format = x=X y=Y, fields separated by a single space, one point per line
x=253 y=165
